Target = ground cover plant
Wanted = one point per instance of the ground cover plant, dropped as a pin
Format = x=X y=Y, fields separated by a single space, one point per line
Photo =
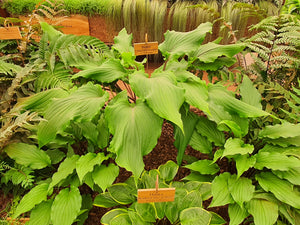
x=103 y=126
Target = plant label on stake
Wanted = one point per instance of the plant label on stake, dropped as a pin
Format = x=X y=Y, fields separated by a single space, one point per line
x=7 y=33
x=156 y=194
x=146 y=48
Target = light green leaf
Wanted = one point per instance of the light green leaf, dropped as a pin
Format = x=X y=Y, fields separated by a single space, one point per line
x=40 y=215
x=66 y=168
x=66 y=206
x=204 y=166
x=216 y=219
x=168 y=170
x=286 y=130
x=220 y=190
x=180 y=43
x=146 y=211
x=234 y=127
x=122 y=193
x=249 y=93
x=263 y=211
x=192 y=199
x=243 y=163
x=283 y=190
x=105 y=200
x=141 y=126
x=135 y=218
x=171 y=211
x=53 y=34
x=236 y=214
x=195 y=216
x=55 y=155
x=123 y=42
x=104 y=176
x=123 y=219
x=28 y=155
x=241 y=190
x=82 y=105
x=215 y=65
x=107 y=72
x=87 y=162
x=107 y=217
x=161 y=94
x=200 y=143
x=34 y=197
x=237 y=146
x=292 y=175
x=104 y=135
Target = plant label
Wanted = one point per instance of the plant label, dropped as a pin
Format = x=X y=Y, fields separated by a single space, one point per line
x=147 y=48
x=7 y=33
x=156 y=195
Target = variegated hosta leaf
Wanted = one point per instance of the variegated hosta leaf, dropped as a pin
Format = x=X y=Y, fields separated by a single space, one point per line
x=180 y=43
x=161 y=94
x=123 y=42
x=66 y=206
x=195 y=216
x=135 y=129
x=82 y=105
x=285 y=130
x=107 y=72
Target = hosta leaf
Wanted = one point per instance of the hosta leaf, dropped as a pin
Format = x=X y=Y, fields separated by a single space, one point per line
x=292 y=175
x=283 y=190
x=104 y=176
x=122 y=193
x=182 y=139
x=243 y=163
x=216 y=219
x=275 y=161
x=195 y=216
x=123 y=219
x=146 y=211
x=200 y=143
x=249 y=93
x=192 y=199
x=66 y=168
x=181 y=43
x=87 y=162
x=28 y=155
x=41 y=214
x=55 y=155
x=215 y=65
x=204 y=166
x=234 y=127
x=284 y=142
x=107 y=72
x=135 y=218
x=105 y=200
x=123 y=42
x=141 y=126
x=161 y=94
x=241 y=190
x=220 y=190
x=107 y=217
x=237 y=146
x=263 y=211
x=171 y=212
x=82 y=105
x=168 y=170
x=66 y=206
x=34 y=197
x=236 y=214
x=286 y=130
x=289 y=151
x=104 y=135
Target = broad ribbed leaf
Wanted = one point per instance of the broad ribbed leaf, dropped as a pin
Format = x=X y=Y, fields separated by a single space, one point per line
x=216 y=219
x=219 y=96
x=192 y=199
x=171 y=212
x=215 y=65
x=204 y=166
x=123 y=219
x=87 y=162
x=107 y=72
x=180 y=43
x=141 y=126
x=66 y=168
x=182 y=139
x=123 y=42
x=161 y=94
x=275 y=161
x=294 y=151
x=241 y=190
x=220 y=190
x=237 y=146
x=146 y=211
x=195 y=216
x=105 y=200
x=293 y=175
x=234 y=127
x=243 y=163
x=200 y=143
x=249 y=93
x=41 y=214
x=236 y=214
x=168 y=170
x=211 y=51
x=34 y=197
x=286 y=130
x=263 y=211
x=122 y=193
x=82 y=105
x=283 y=190
x=104 y=176
x=66 y=206
x=107 y=217
x=28 y=155
x=209 y=129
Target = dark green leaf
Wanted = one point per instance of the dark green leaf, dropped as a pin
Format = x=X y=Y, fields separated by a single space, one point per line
x=195 y=216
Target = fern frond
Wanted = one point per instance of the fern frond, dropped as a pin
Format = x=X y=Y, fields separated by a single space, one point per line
x=9 y=68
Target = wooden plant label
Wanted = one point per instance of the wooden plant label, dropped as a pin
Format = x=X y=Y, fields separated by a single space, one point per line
x=7 y=33
x=156 y=195
x=147 y=48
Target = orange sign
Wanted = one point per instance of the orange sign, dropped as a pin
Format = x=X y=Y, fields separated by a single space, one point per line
x=7 y=33
x=147 y=48
x=156 y=195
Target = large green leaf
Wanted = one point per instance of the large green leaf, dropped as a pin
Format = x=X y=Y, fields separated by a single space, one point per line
x=292 y=175
x=107 y=217
x=122 y=193
x=168 y=170
x=204 y=166
x=285 y=130
x=237 y=146
x=123 y=42
x=41 y=214
x=195 y=216
x=220 y=190
x=241 y=190
x=107 y=72
x=215 y=65
x=82 y=105
x=28 y=155
x=34 y=197
x=141 y=126
x=104 y=176
x=192 y=199
x=249 y=93
x=87 y=162
x=161 y=94
x=200 y=143
x=180 y=43
x=66 y=206
x=283 y=190
x=264 y=212
x=236 y=214
x=243 y=163
x=146 y=211
x=105 y=200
